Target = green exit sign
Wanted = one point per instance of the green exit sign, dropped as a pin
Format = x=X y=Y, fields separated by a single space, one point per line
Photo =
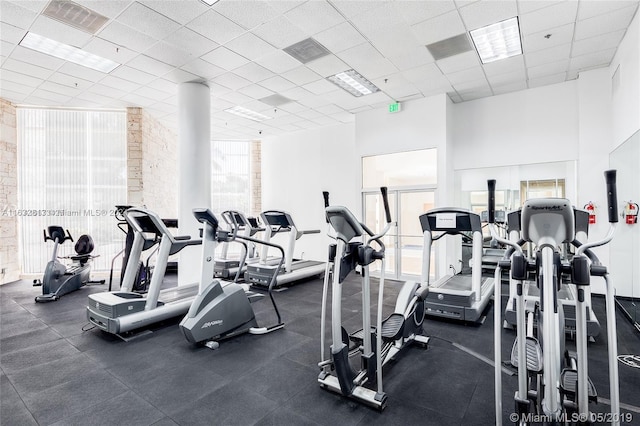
x=395 y=107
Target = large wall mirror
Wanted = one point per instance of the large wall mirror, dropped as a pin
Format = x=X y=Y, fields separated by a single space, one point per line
x=625 y=247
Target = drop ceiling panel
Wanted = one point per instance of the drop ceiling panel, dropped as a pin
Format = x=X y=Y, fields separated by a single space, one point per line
x=459 y=62
x=329 y=109
x=179 y=76
x=296 y=93
x=365 y=59
x=314 y=16
x=513 y=64
x=250 y=46
x=301 y=75
x=152 y=93
x=509 y=87
x=60 y=32
x=11 y=34
x=18 y=88
x=417 y=56
x=549 y=17
x=598 y=25
x=191 y=42
x=147 y=21
x=248 y=14
x=422 y=74
x=319 y=87
x=36 y=58
x=203 y=69
x=351 y=8
x=277 y=84
x=527 y=6
x=278 y=62
x=309 y=114
x=415 y=12
x=26 y=68
x=137 y=100
x=225 y=58
x=60 y=89
x=217 y=90
x=398 y=41
x=344 y=117
x=109 y=50
x=133 y=75
x=108 y=8
x=280 y=32
x=164 y=52
x=548 y=69
x=107 y=91
x=480 y=14
x=119 y=83
x=539 y=41
x=216 y=27
x=339 y=38
x=179 y=11
x=55 y=97
x=82 y=72
x=594 y=44
x=253 y=72
x=164 y=85
x=553 y=54
x=232 y=81
x=292 y=107
x=439 y=28
x=255 y=91
x=545 y=81
x=122 y=35
x=328 y=65
x=589 y=9
x=16 y=15
x=381 y=17
x=507 y=78
x=471 y=74
x=592 y=60
x=283 y=6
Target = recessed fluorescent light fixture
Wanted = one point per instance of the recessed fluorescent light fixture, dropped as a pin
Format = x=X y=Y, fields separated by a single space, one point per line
x=210 y=2
x=247 y=113
x=353 y=83
x=68 y=53
x=497 y=41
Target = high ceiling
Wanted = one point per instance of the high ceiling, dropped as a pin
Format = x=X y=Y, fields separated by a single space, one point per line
x=236 y=47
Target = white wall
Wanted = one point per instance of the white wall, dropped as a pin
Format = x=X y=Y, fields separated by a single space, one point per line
x=297 y=167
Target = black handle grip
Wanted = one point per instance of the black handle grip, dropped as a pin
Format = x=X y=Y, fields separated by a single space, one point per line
x=325 y=194
x=385 y=200
x=612 y=195
x=68 y=237
x=491 y=185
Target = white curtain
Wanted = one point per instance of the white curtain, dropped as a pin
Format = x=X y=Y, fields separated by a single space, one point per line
x=72 y=172
x=231 y=176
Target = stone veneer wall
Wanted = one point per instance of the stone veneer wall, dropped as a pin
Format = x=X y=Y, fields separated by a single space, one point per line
x=152 y=164
x=9 y=261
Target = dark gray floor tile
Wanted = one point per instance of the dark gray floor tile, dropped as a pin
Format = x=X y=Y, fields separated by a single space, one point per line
x=325 y=407
x=14 y=313
x=29 y=339
x=18 y=328
x=399 y=413
x=15 y=413
x=36 y=355
x=126 y=409
x=166 y=421
x=285 y=416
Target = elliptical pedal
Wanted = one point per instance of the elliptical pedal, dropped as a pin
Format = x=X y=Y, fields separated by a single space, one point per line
x=569 y=384
x=534 y=354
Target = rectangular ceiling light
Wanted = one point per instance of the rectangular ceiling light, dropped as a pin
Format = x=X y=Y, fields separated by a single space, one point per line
x=353 y=83
x=497 y=41
x=68 y=53
x=247 y=113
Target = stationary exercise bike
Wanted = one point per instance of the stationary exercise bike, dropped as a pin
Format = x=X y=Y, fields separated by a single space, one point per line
x=553 y=383
x=375 y=346
x=59 y=279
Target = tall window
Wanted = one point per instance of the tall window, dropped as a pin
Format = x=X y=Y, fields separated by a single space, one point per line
x=72 y=172
x=231 y=176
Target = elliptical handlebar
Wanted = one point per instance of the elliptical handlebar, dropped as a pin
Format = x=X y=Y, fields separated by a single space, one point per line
x=612 y=201
x=385 y=200
x=513 y=247
x=491 y=210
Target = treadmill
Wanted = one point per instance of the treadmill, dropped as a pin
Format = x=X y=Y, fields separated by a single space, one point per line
x=226 y=266
x=455 y=296
x=121 y=311
x=567 y=293
x=260 y=273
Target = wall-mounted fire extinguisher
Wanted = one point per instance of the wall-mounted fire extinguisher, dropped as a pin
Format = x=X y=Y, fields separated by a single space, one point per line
x=591 y=209
x=631 y=212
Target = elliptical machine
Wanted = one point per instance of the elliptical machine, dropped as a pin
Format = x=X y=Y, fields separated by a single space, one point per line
x=375 y=346
x=59 y=279
x=553 y=384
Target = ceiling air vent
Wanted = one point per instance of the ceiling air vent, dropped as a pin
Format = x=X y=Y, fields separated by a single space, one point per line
x=450 y=47
x=306 y=50
x=275 y=100
x=75 y=15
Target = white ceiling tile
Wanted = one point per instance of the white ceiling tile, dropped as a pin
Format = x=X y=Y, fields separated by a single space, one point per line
x=122 y=35
x=225 y=58
x=547 y=80
x=512 y=64
x=108 y=8
x=137 y=100
x=83 y=72
x=484 y=13
x=26 y=68
x=422 y=73
x=67 y=80
x=296 y=93
x=330 y=109
x=165 y=107
x=470 y=74
x=59 y=88
x=301 y=75
x=340 y=37
x=527 y=6
x=56 y=97
x=109 y=50
x=191 y=42
x=595 y=44
x=277 y=84
x=351 y=8
x=402 y=92
x=119 y=83
x=203 y=69
x=292 y=107
x=107 y=91
x=589 y=9
x=439 y=28
x=16 y=88
x=248 y=14
x=151 y=93
x=418 y=55
x=603 y=24
x=549 y=17
x=133 y=75
x=219 y=104
x=540 y=41
x=58 y=31
x=149 y=65
x=35 y=100
x=16 y=15
x=236 y=98
x=548 y=69
x=509 y=87
x=11 y=34
x=433 y=85
x=164 y=85
x=373 y=20
x=280 y=32
x=255 y=91
x=344 y=117
x=399 y=41
x=261 y=107
x=278 y=62
x=327 y=65
x=552 y=54
x=180 y=11
x=169 y=54
x=507 y=78
x=418 y=11
x=592 y=60
x=283 y=6
x=324 y=120
x=472 y=86
x=319 y=87
x=318 y=101
x=147 y=21
x=94 y=99
x=216 y=27
x=250 y=46
x=180 y=76
x=36 y=58
x=314 y=16
x=470 y=95
x=459 y=62
x=253 y=72
x=232 y=81
x=365 y=59
x=216 y=90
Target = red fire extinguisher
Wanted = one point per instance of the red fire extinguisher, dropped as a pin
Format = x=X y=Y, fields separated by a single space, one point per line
x=631 y=212
x=591 y=209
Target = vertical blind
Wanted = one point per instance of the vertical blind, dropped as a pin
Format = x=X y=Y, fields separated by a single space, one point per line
x=231 y=176
x=72 y=172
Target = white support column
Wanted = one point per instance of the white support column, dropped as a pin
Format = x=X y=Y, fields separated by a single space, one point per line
x=194 y=170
